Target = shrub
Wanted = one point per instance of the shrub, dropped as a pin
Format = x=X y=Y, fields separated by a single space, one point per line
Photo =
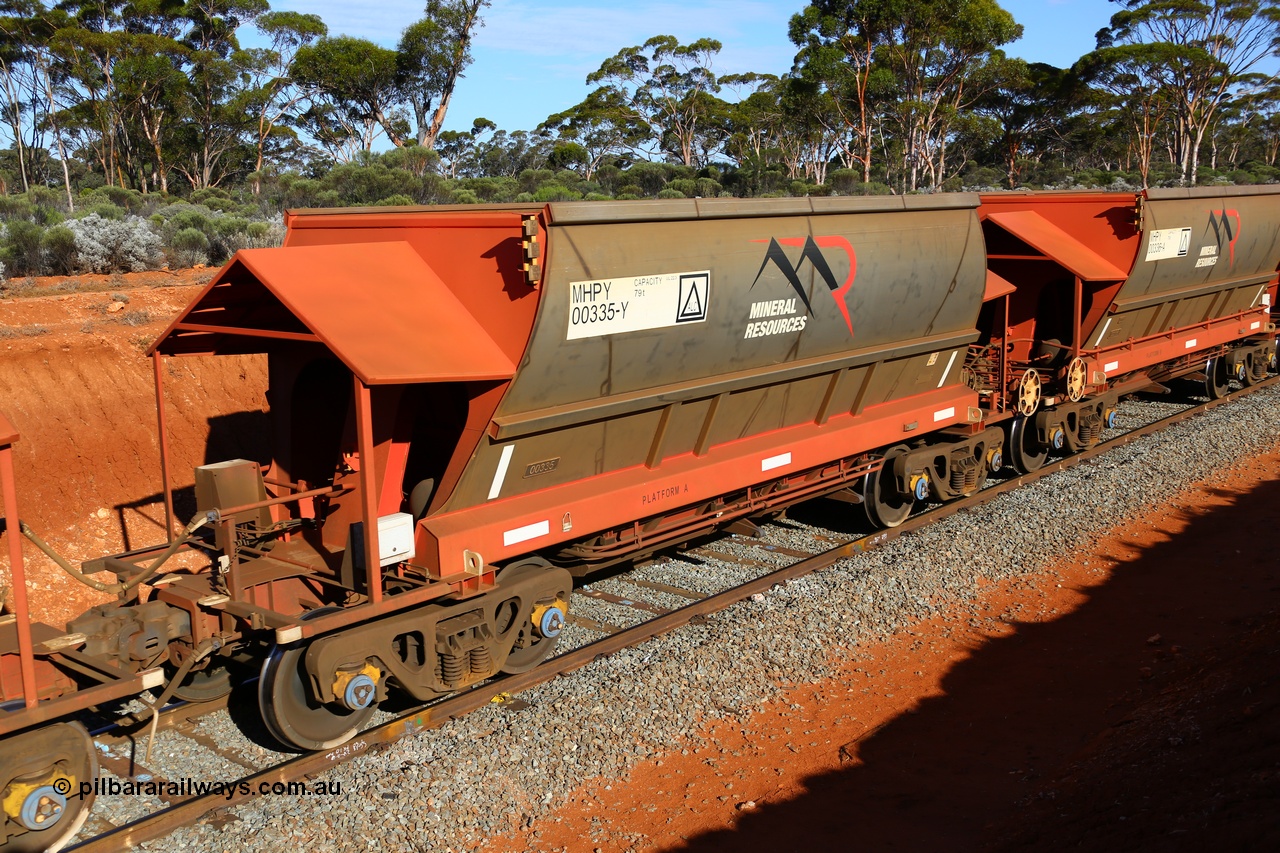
x=104 y=209
x=32 y=331
x=131 y=200
x=105 y=245
x=670 y=192
x=135 y=318
x=684 y=186
x=22 y=251
x=531 y=179
x=555 y=192
x=58 y=245
x=190 y=247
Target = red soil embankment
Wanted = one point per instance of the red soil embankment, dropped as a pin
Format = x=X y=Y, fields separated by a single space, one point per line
x=76 y=383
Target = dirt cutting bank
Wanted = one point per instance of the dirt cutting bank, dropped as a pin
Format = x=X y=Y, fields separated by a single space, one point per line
x=76 y=383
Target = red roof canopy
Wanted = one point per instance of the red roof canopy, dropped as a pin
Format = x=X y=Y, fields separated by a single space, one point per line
x=1043 y=236
x=379 y=307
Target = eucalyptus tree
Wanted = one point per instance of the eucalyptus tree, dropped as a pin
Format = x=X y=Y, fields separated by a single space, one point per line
x=272 y=95
x=939 y=52
x=458 y=150
x=351 y=87
x=673 y=89
x=153 y=92
x=1029 y=103
x=431 y=56
x=929 y=60
x=1204 y=51
x=217 y=121
x=87 y=47
x=1140 y=81
x=605 y=124
x=19 y=78
x=758 y=121
x=838 y=42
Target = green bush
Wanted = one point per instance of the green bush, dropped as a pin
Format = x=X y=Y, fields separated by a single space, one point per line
x=686 y=187
x=189 y=247
x=22 y=251
x=105 y=209
x=59 y=248
x=670 y=192
x=131 y=200
x=555 y=192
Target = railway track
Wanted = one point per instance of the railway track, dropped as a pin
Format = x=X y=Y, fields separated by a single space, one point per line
x=607 y=615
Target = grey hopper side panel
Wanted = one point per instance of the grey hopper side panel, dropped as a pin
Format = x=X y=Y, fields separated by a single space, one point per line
x=911 y=278
x=1232 y=238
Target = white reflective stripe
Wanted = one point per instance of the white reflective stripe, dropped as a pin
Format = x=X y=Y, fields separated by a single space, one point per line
x=950 y=362
x=943 y=414
x=1110 y=366
x=1255 y=324
x=501 y=473
x=1191 y=343
x=1098 y=340
x=524 y=534
x=775 y=461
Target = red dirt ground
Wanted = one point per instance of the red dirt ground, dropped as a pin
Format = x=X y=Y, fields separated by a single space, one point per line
x=1127 y=700
x=76 y=384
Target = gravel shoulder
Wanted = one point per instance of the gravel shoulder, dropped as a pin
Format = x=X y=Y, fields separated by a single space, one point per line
x=931 y=662
x=1125 y=699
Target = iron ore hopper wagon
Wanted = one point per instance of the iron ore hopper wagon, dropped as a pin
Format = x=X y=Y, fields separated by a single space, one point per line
x=472 y=405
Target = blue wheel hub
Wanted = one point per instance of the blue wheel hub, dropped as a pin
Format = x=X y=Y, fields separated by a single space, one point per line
x=360 y=692
x=43 y=807
x=922 y=488
x=551 y=623
x=1059 y=438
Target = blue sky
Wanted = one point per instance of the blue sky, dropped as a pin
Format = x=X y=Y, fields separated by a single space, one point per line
x=532 y=56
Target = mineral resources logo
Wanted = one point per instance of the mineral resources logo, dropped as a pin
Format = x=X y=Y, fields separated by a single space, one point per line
x=812 y=252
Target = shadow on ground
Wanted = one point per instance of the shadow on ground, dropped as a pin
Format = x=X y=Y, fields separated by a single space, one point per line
x=1088 y=732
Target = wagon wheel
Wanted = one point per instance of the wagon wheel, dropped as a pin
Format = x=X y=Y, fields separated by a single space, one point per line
x=884 y=505
x=40 y=783
x=1026 y=454
x=1217 y=378
x=292 y=714
x=1077 y=373
x=1027 y=395
x=538 y=634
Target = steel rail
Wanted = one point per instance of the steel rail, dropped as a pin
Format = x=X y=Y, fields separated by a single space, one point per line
x=441 y=711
